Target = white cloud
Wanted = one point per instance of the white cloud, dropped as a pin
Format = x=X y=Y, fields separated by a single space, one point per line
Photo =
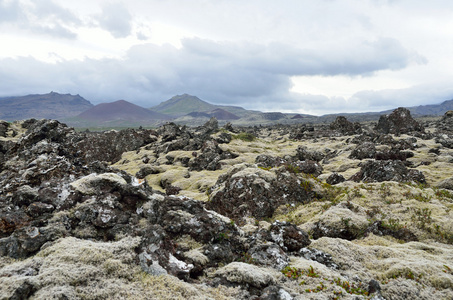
x=116 y=19
x=293 y=55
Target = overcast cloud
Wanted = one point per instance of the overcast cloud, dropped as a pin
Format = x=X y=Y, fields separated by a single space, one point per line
x=301 y=56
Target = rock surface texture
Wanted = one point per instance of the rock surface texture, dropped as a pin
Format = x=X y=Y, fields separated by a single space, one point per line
x=339 y=211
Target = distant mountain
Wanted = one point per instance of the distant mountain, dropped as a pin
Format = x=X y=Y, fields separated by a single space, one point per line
x=433 y=109
x=121 y=110
x=222 y=114
x=42 y=106
x=181 y=105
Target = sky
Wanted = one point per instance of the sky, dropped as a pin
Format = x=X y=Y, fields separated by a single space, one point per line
x=301 y=56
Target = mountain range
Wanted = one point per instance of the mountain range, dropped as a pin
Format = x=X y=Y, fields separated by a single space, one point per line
x=46 y=106
x=182 y=109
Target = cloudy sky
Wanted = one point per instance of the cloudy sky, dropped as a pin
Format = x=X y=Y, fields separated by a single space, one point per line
x=305 y=56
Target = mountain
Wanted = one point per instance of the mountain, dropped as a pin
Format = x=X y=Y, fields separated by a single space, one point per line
x=181 y=105
x=121 y=111
x=433 y=109
x=222 y=114
x=42 y=106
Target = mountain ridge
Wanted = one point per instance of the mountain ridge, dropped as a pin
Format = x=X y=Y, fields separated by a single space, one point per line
x=42 y=106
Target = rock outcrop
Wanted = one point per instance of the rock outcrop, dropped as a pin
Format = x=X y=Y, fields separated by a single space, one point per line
x=203 y=213
x=398 y=122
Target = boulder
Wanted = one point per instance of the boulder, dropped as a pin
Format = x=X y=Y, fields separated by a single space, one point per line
x=398 y=122
x=446 y=122
x=387 y=170
x=250 y=191
x=342 y=125
x=363 y=151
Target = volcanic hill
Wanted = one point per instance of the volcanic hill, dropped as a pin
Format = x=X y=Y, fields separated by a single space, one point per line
x=42 y=106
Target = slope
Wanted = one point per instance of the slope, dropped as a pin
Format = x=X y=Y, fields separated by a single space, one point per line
x=42 y=106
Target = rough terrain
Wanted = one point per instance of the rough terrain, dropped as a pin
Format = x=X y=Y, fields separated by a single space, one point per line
x=337 y=211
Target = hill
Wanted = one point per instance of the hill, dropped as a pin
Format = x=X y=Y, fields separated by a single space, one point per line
x=181 y=105
x=42 y=106
x=118 y=113
x=434 y=109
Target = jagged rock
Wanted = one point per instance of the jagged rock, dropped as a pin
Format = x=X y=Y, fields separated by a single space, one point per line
x=319 y=256
x=335 y=178
x=446 y=123
x=210 y=127
x=275 y=293
x=393 y=154
x=445 y=140
x=251 y=191
x=304 y=154
x=387 y=170
x=342 y=125
x=289 y=236
x=108 y=146
x=363 y=151
x=268 y=161
x=147 y=170
x=308 y=167
x=269 y=255
x=210 y=158
x=223 y=138
x=398 y=122
x=3 y=128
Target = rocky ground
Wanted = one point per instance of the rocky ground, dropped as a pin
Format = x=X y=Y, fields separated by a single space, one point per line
x=338 y=211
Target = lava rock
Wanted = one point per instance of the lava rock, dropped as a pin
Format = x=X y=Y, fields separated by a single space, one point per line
x=289 y=236
x=335 y=178
x=398 y=122
x=250 y=191
x=304 y=154
x=387 y=170
x=363 y=151
x=342 y=125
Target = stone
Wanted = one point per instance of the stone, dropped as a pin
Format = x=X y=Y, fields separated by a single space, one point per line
x=398 y=122
x=387 y=170
x=335 y=178
x=363 y=151
x=342 y=125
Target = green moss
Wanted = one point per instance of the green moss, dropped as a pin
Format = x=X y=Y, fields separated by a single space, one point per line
x=244 y=136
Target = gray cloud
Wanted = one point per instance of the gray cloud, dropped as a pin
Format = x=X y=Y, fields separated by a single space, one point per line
x=9 y=11
x=39 y=17
x=116 y=19
x=251 y=75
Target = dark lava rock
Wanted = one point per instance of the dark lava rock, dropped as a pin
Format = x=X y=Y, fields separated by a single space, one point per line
x=147 y=170
x=342 y=125
x=363 y=151
x=304 y=154
x=319 y=256
x=445 y=140
x=387 y=170
x=398 y=122
x=288 y=236
x=210 y=127
x=109 y=146
x=250 y=191
x=269 y=255
x=393 y=154
x=210 y=157
x=308 y=167
x=268 y=161
x=335 y=178
x=446 y=123
x=3 y=128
